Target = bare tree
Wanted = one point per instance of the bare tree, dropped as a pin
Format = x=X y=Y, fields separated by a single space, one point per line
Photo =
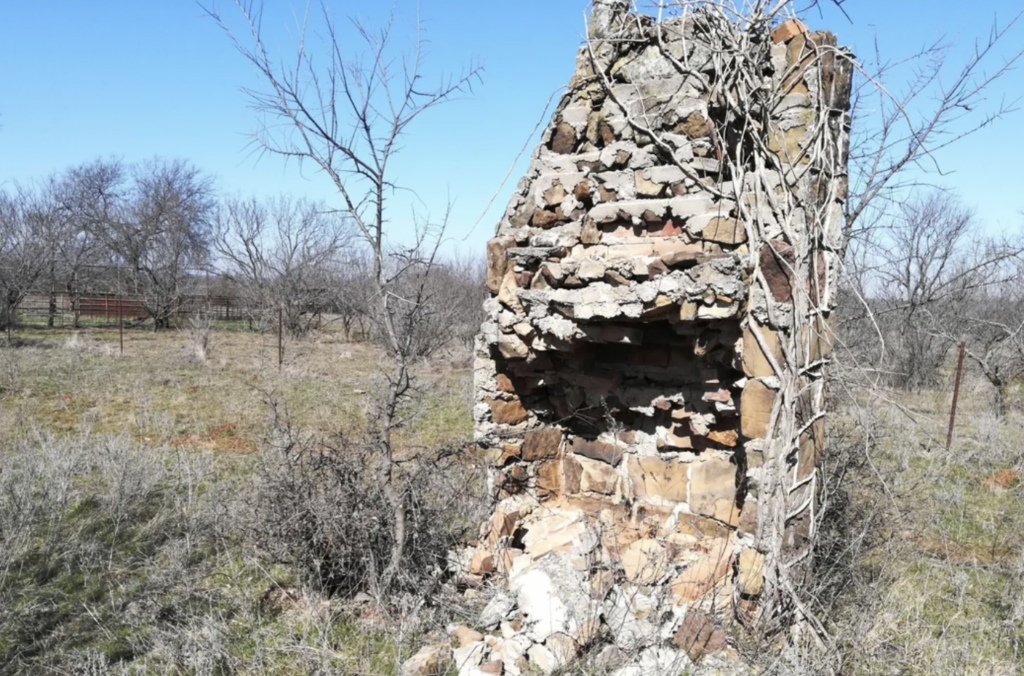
x=992 y=330
x=921 y=272
x=352 y=292
x=75 y=255
x=25 y=214
x=348 y=116
x=155 y=218
x=282 y=251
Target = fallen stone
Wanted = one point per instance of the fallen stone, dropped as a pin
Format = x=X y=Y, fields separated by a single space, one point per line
x=496 y=610
x=430 y=660
x=609 y=657
x=511 y=649
x=463 y=635
x=554 y=532
x=468 y=657
x=503 y=524
x=492 y=668
x=698 y=636
x=482 y=563
x=628 y=631
x=563 y=647
x=553 y=597
x=542 y=659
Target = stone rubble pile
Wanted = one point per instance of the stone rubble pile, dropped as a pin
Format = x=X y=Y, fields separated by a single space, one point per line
x=624 y=400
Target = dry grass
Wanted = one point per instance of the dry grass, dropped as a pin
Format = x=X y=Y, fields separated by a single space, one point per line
x=928 y=560
x=129 y=498
x=157 y=392
x=933 y=540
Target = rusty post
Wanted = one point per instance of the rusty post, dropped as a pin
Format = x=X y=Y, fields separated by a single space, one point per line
x=280 y=337
x=120 y=327
x=956 y=395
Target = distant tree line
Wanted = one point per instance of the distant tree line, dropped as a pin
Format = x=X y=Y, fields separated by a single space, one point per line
x=924 y=277
x=155 y=230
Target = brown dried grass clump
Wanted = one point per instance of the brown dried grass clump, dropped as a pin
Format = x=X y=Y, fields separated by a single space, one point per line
x=1003 y=480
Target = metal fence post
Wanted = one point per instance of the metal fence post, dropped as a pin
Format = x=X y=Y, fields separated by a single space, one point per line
x=956 y=395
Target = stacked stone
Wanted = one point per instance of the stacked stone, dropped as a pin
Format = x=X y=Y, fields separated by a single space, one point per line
x=628 y=375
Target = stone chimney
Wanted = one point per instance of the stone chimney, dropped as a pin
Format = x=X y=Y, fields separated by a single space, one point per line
x=650 y=378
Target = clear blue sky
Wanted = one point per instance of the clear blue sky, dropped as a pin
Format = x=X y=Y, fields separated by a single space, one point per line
x=137 y=78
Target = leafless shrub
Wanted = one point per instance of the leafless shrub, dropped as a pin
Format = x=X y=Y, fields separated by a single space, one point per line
x=992 y=331
x=916 y=278
x=199 y=332
x=88 y=527
x=321 y=508
x=284 y=253
x=74 y=342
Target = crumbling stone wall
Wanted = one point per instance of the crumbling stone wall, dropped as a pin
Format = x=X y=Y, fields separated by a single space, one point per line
x=650 y=380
